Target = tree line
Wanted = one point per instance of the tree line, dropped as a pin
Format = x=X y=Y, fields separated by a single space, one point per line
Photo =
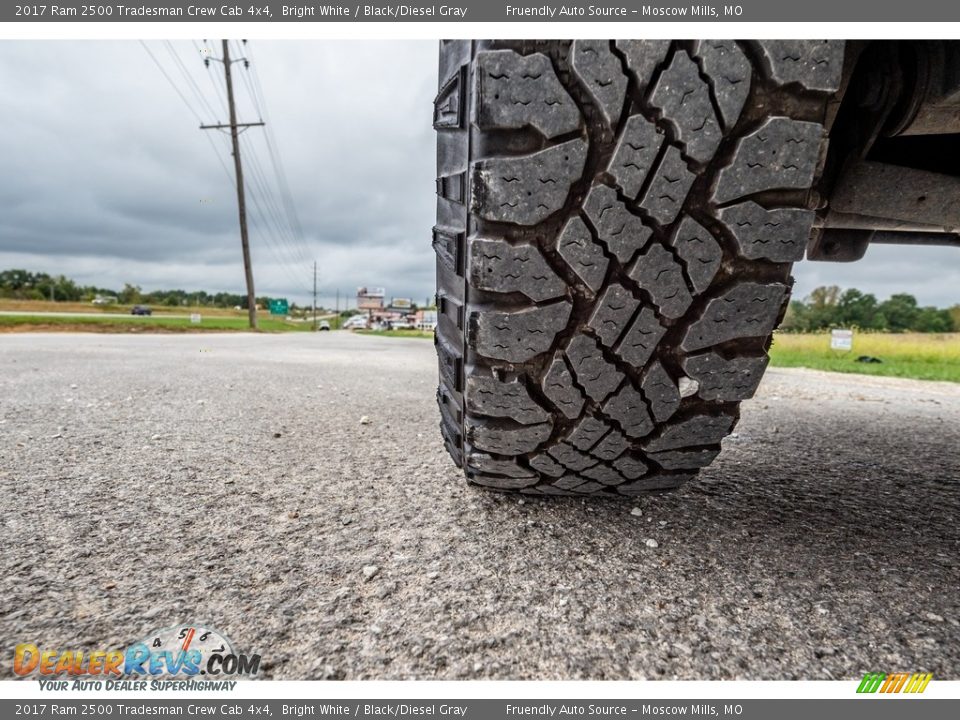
x=26 y=285
x=830 y=307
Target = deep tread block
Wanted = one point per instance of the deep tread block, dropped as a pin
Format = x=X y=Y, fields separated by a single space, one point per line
x=492 y=398
x=587 y=433
x=684 y=459
x=585 y=257
x=604 y=474
x=815 y=64
x=729 y=69
x=779 y=235
x=691 y=431
x=551 y=490
x=546 y=465
x=601 y=73
x=559 y=387
x=643 y=57
x=659 y=274
x=636 y=152
x=516 y=91
x=725 y=380
x=620 y=230
x=668 y=189
x=780 y=155
x=641 y=339
x=484 y=463
x=568 y=482
x=630 y=411
x=611 y=447
x=700 y=252
x=597 y=377
x=684 y=99
x=747 y=310
x=526 y=190
x=612 y=313
x=571 y=458
x=519 y=336
x=498 y=266
x=661 y=392
x=631 y=467
x=508 y=441
x=501 y=482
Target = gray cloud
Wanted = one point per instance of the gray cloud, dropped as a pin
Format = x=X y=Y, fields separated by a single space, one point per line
x=108 y=179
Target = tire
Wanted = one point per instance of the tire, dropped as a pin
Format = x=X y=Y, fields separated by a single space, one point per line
x=616 y=222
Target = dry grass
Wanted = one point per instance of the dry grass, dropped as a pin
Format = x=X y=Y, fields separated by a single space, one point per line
x=925 y=356
x=32 y=306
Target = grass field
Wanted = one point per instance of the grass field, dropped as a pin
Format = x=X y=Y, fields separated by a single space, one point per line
x=137 y=323
x=924 y=356
x=31 y=306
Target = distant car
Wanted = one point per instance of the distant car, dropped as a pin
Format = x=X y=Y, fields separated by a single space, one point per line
x=141 y=310
x=357 y=322
x=323 y=325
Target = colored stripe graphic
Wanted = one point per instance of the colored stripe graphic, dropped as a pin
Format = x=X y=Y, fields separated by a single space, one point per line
x=894 y=683
x=871 y=682
x=918 y=682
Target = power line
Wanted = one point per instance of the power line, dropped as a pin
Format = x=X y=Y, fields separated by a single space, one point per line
x=189 y=106
x=269 y=216
x=276 y=159
x=238 y=169
x=191 y=82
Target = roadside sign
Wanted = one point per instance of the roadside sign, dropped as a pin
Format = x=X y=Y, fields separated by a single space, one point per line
x=841 y=339
x=279 y=307
x=195 y=318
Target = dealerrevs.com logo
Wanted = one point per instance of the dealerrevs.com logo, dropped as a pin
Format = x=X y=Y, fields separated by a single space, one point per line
x=185 y=652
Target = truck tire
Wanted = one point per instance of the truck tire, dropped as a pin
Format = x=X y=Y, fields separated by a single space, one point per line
x=616 y=223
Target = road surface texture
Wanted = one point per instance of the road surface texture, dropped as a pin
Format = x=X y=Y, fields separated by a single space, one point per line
x=292 y=491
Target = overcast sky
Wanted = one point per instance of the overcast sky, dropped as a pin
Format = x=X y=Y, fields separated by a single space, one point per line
x=107 y=178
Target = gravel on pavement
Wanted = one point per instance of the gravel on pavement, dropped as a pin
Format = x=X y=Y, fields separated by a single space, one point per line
x=231 y=479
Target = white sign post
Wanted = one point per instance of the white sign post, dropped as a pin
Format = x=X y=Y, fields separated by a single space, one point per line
x=195 y=318
x=841 y=339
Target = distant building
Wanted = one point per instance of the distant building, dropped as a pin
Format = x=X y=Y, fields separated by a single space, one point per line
x=370 y=298
x=425 y=319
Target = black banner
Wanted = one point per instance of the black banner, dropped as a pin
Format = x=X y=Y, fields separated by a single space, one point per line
x=874 y=708
x=483 y=11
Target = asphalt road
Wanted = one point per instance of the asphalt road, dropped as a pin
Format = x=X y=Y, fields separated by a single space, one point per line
x=147 y=481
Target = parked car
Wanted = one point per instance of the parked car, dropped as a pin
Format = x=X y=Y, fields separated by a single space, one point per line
x=323 y=325
x=357 y=322
x=141 y=310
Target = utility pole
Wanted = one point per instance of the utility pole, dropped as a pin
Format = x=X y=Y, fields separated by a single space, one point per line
x=235 y=130
x=314 y=295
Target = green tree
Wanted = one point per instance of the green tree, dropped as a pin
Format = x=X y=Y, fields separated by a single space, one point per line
x=955 y=317
x=900 y=311
x=933 y=320
x=130 y=295
x=822 y=307
x=857 y=309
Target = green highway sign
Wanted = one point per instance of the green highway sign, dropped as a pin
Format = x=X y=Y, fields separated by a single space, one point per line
x=279 y=307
